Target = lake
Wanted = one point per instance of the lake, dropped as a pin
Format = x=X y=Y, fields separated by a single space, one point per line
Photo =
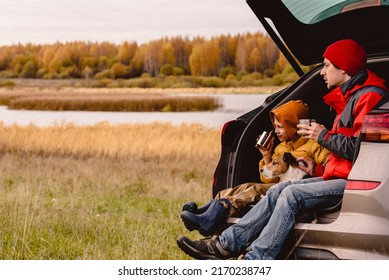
x=233 y=105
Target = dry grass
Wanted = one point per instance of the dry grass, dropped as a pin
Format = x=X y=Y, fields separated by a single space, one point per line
x=101 y=192
x=155 y=140
x=98 y=100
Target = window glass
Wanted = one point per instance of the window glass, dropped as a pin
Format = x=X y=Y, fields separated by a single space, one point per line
x=311 y=11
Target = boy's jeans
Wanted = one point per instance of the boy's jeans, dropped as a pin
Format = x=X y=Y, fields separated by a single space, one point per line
x=265 y=227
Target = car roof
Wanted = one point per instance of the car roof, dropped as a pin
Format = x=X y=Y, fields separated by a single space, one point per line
x=304 y=28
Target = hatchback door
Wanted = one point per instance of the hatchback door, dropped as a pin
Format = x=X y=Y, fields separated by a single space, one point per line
x=303 y=28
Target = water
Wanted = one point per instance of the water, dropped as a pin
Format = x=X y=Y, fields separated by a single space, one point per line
x=234 y=105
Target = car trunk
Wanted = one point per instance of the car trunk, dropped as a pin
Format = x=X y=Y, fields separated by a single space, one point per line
x=244 y=166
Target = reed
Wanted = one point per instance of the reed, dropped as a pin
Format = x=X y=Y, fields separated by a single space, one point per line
x=120 y=101
x=101 y=192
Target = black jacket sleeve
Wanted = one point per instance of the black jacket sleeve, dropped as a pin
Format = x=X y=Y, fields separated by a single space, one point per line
x=339 y=144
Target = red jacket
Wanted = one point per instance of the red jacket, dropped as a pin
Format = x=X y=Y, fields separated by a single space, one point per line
x=351 y=102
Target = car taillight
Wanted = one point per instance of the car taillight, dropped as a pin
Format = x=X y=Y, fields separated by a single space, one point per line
x=361 y=185
x=226 y=125
x=375 y=128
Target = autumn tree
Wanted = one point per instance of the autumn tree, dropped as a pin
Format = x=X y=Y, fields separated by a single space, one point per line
x=211 y=58
x=228 y=45
x=241 y=54
x=17 y=63
x=195 y=60
x=5 y=57
x=126 y=52
x=167 y=54
x=137 y=64
x=182 y=49
x=270 y=54
x=152 y=61
x=88 y=73
x=254 y=60
x=280 y=64
x=225 y=55
x=30 y=68
x=205 y=58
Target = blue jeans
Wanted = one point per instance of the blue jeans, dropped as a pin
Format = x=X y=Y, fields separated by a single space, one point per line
x=265 y=227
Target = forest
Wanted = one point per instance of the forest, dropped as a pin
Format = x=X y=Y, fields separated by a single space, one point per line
x=226 y=57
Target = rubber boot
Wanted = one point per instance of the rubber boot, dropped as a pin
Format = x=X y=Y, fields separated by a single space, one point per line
x=207 y=222
x=192 y=207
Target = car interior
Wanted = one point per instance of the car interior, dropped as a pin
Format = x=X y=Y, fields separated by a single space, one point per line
x=311 y=90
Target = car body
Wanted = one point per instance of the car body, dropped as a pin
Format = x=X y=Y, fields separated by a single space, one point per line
x=357 y=228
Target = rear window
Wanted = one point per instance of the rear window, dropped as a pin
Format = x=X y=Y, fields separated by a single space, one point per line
x=312 y=11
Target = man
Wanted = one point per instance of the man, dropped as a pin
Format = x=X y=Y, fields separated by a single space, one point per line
x=355 y=91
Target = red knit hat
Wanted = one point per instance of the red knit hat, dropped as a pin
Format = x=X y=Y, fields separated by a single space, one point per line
x=347 y=54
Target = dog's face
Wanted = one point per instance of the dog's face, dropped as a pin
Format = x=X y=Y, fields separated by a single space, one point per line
x=279 y=165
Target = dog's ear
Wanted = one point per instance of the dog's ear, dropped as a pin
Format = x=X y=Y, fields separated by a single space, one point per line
x=289 y=159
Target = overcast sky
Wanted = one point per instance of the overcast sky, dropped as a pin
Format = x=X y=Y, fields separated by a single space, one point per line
x=48 y=21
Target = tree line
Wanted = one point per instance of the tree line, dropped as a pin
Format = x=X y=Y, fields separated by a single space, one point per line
x=222 y=56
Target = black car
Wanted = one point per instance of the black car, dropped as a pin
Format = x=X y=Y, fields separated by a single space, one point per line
x=358 y=228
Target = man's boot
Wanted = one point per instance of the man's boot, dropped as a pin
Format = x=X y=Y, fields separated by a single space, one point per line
x=207 y=222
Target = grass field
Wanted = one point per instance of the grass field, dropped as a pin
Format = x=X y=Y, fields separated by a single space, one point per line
x=101 y=192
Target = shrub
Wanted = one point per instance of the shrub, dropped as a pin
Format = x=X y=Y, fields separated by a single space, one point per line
x=212 y=82
x=268 y=73
x=178 y=71
x=251 y=79
x=7 y=84
x=143 y=82
x=226 y=71
x=102 y=83
x=8 y=74
x=166 y=69
x=51 y=75
x=240 y=75
x=119 y=70
x=69 y=72
x=231 y=81
x=106 y=74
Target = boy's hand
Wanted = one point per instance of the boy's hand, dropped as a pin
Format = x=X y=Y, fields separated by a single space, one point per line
x=266 y=153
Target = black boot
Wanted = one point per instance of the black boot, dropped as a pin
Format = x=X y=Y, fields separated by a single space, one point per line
x=192 y=207
x=207 y=222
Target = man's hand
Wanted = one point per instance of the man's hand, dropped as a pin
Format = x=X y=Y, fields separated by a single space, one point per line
x=310 y=131
x=306 y=165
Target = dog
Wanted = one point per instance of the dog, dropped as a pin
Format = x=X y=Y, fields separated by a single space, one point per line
x=284 y=167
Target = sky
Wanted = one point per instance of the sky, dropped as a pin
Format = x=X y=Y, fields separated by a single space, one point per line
x=49 y=21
